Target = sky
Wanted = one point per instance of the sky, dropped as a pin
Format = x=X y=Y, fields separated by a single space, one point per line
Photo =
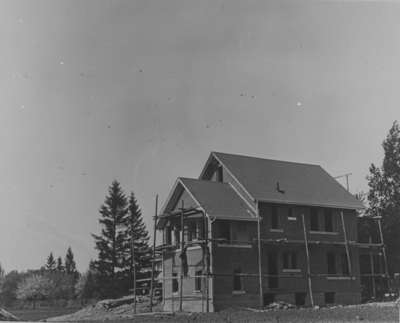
x=142 y=91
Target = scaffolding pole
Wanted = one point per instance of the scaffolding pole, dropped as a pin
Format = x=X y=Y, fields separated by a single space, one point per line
x=383 y=250
x=206 y=264
x=308 y=262
x=371 y=260
x=182 y=250
x=154 y=256
x=346 y=244
x=260 y=279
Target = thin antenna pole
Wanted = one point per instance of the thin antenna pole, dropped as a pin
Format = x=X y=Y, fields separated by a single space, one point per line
x=154 y=256
x=308 y=262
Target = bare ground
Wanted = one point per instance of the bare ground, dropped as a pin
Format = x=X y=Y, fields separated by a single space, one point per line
x=373 y=312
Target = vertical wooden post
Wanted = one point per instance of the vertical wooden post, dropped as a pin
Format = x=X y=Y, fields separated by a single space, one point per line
x=308 y=261
x=346 y=244
x=371 y=260
x=260 y=277
x=182 y=248
x=383 y=251
x=133 y=266
x=207 y=253
x=154 y=256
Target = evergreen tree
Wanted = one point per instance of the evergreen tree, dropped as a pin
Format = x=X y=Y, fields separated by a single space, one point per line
x=50 y=263
x=136 y=231
x=111 y=243
x=70 y=265
x=384 y=195
x=60 y=266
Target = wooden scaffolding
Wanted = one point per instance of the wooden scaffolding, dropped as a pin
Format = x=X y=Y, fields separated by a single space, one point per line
x=183 y=213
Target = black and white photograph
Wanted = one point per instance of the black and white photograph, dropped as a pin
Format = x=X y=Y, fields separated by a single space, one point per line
x=230 y=161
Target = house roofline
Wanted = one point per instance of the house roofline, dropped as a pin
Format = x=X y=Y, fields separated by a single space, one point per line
x=213 y=154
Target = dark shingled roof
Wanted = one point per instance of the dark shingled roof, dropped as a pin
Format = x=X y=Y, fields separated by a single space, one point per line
x=219 y=200
x=303 y=184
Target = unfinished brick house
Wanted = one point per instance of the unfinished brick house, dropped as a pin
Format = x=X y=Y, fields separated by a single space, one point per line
x=257 y=231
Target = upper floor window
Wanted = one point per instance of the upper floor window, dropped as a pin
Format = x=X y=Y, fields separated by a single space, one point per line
x=289 y=260
x=314 y=221
x=274 y=217
x=345 y=265
x=331 y=262
x=328 y=220
x=225 y=231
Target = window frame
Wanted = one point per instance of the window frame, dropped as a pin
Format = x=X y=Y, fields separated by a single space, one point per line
x=175 y=282
x=237 y=279
x=328 y=214
x=331 y=266
x=198 y=280
x=275 y=223
x=314 y=219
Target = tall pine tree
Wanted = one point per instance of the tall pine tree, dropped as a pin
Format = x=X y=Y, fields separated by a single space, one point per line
x=138 y=237
x=70 y=264
x=60 y=266
x=384 y=195
x=111 y=243
x=51 y=262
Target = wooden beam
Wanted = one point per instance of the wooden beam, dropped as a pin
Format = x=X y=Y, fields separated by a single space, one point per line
x=371 y=260
x=346 y=244
x=260 y=278
x=182 y=250
x=308 y=261
x=154 y=256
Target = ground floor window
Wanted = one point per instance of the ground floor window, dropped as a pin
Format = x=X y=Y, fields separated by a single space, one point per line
x=197 y=280
x=237 y=280
x=300 y=299
x=175 y=285
x=329 y=298
x=269 y=298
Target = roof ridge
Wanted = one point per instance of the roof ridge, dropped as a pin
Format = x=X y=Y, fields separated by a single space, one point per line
x=267 y=159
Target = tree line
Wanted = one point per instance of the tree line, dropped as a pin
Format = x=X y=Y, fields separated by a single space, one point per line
x=121 y=245
x=55 y=280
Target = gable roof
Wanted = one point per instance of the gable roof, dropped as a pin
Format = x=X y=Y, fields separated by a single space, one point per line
x=303 y=184
x=219 y=200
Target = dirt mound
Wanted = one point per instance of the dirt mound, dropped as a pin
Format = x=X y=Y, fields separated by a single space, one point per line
x=7 y=316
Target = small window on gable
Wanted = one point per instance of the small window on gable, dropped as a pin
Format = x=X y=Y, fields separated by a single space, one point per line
x=219 y=174
x=197 y=280
x=314 y=221
x=328 y=220
x=237 y=280
x=175 y=285
x=274 y=217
